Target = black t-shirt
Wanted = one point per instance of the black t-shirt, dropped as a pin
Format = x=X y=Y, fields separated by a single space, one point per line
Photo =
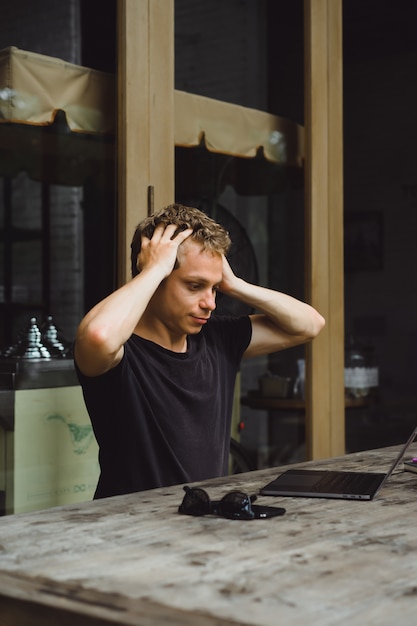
x=163 y=418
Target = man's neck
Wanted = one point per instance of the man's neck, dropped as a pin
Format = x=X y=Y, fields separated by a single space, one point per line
x=163 y=338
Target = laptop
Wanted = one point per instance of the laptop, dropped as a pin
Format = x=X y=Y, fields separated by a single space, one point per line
x=332 y=484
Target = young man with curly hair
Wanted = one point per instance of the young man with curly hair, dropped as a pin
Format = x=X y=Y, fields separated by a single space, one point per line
x=158 y=367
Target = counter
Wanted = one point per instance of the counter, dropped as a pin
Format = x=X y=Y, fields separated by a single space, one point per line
x=48 y=452
x=134 y=560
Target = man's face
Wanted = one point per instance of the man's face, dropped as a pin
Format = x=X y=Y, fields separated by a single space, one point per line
x=186 y=298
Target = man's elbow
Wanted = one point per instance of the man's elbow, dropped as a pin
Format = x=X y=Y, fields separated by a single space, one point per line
x=94 y=338
x=317 y=325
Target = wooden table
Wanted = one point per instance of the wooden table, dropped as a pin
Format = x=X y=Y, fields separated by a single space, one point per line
x=134 y=560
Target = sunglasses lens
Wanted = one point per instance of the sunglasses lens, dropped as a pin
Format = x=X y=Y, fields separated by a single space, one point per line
x=236 y=505
x=195 y=502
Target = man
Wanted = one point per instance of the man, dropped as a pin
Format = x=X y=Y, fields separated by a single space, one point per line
x=158 y=368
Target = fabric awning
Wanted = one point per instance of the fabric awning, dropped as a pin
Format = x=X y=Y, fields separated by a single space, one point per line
x=236 y=130
x=34 y=87
x=57 y=119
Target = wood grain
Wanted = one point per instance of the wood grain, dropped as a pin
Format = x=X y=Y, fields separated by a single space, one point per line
x=134 y=560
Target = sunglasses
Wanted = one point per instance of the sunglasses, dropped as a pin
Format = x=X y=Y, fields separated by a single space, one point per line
x=234 y=505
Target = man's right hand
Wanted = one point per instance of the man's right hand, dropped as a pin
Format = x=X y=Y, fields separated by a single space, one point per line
x=162 y=248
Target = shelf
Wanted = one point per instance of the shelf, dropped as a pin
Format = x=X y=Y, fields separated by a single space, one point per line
x=255 y=400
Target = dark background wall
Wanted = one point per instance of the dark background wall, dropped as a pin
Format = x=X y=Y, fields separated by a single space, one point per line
x=380 y=135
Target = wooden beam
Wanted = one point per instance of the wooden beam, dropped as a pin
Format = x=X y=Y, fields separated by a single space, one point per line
x=325 y=406
x=145 y=119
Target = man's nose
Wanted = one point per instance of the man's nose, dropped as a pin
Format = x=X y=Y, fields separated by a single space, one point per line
x=209 y=300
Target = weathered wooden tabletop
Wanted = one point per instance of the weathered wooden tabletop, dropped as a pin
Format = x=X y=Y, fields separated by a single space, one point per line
x=134 y=560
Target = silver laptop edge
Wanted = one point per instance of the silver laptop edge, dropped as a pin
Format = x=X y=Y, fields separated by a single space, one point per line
x=397 y=461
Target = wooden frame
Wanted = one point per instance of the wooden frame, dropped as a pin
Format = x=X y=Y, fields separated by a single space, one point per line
x=145 y=117
x=325 y=404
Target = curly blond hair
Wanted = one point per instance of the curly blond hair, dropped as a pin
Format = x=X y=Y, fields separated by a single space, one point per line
x=211 y=235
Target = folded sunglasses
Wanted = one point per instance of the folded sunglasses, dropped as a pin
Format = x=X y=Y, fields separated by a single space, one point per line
x=234 y=505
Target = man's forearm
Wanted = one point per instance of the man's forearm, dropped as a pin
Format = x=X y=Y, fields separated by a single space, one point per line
x=289 y=314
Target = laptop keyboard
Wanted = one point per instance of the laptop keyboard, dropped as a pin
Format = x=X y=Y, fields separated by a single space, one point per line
x=343 y=482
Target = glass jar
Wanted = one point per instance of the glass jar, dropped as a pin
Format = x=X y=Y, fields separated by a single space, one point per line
x=361 y=370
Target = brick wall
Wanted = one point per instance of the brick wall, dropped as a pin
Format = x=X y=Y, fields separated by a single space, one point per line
x=51 y=28
x=220 y=50
x=45 y=26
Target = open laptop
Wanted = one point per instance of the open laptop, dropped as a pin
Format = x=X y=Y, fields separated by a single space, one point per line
x=332 y=484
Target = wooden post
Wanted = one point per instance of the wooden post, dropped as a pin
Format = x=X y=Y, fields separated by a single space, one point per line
x=325 y=405
x=145 y=115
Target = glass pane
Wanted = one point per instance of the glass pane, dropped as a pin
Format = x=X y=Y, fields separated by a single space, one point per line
x=57 y=244
x=231 y=52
